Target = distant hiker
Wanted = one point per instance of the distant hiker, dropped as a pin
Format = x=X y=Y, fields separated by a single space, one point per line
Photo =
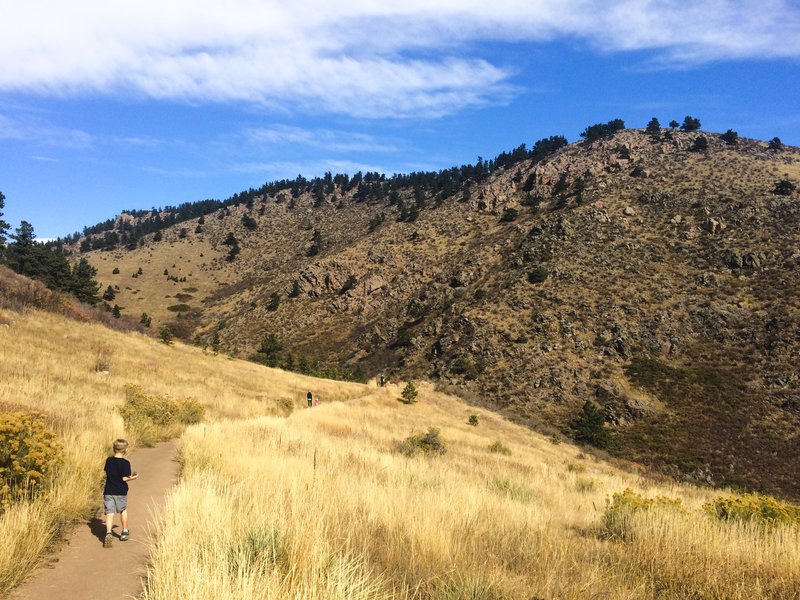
x=310 y=398
x=115 y=493
x=316 y=401
x=383 y=381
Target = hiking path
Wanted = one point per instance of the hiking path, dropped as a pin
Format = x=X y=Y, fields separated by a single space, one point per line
x=83 y=569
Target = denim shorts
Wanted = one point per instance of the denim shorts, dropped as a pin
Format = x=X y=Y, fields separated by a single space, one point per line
x=114 y=504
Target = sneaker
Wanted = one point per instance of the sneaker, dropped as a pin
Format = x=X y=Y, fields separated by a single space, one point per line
x=108 y=541
x=125 y=535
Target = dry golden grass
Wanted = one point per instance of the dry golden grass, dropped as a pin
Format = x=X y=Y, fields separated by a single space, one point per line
x=323 y=505
x=75 y=373
x=272 y=508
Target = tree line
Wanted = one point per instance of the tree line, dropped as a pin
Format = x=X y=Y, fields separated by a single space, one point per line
x=45 y=262
x=370 y=186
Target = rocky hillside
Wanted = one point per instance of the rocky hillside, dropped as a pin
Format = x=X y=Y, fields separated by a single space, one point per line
x=657 y=280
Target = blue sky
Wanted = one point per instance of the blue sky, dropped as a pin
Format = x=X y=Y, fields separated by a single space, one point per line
x=106 y=107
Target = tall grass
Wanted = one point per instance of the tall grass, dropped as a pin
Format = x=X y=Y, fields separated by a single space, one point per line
x=76 y=373
x=287 y=502
x=323 y=504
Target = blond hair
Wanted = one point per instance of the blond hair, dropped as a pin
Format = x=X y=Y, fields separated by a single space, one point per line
x=120 y=445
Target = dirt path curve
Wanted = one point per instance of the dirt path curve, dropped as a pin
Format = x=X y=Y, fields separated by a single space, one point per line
x=84 y=569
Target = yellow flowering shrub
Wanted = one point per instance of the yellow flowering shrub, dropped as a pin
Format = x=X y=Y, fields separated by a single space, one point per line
x=154 y=417
x=28 y=452
x=757 y=508
x=622 y=506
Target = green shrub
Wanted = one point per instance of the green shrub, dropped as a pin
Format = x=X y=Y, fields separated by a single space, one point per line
x=424 y=443
x=509 y=214
x=784 y=187
x=409 y=393
x=622 y=506
x=700 y=144
x=464 y=366
x=179 y=308
x=754 y=508
x=473 y=420
x=29 y=451
x=499 y=447
x=538 y=275
x=166 y=335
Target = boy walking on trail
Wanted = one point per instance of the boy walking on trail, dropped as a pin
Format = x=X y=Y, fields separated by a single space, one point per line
x=115 y=493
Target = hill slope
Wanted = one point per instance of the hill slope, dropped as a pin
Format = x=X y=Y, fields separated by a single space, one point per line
x=652 y=279
x=331 y=502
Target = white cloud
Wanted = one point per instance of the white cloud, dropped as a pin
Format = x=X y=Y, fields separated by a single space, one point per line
x=370 y=58
x=38 y=130
x=326 y=139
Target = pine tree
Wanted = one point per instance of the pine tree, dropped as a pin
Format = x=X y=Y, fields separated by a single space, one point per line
x=109 y=294
x=409 y=393
x=82 y=283
x=116 y=312
x=588 y=428
x=3 y=224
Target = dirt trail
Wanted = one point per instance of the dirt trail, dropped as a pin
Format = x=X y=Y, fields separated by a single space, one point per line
x=84 y=569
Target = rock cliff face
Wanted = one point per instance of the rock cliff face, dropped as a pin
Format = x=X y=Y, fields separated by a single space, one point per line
x=658 y=282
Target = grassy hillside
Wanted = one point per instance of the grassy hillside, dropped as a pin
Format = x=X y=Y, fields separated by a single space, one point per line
x=530 y=292
x=327 y=502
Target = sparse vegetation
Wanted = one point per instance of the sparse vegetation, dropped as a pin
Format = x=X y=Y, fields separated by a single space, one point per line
x=473 y=420
x=499 y=447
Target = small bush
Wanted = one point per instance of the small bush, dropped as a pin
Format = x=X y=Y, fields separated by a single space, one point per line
x=190 y=411
x=409 y=393
x=784 y=187
x=473 y=420
x=499 y=447
x=622 y=506
x=700 y=144
x=166 y=335
x=424 y=443
x=538 y=275
x=509 y=214
x=29 y=451
x=179 y=308
x=153 y=418
x=754 y=508
x=555 y=439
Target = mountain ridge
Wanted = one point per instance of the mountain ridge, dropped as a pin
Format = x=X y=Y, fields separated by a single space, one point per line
x=597 y=273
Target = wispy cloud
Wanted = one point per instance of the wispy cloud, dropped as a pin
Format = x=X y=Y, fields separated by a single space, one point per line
x=361 y=57
x=40 y=131
x=325 y=139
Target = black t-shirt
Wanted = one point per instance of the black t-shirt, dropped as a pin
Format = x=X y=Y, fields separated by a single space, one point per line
x=116 y=469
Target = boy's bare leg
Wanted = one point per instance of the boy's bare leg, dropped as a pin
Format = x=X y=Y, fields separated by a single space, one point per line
x=123 y=516
x=110 y=521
